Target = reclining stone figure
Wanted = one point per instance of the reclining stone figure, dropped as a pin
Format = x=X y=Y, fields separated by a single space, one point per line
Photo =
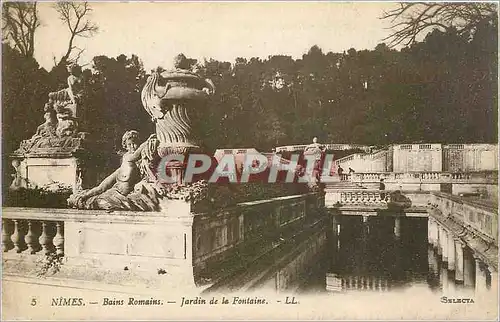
x=122 y=190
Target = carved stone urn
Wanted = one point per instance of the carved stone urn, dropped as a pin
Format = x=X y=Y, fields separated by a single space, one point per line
x=173 y=99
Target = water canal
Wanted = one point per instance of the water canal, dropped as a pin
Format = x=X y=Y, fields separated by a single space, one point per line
x=367 y=256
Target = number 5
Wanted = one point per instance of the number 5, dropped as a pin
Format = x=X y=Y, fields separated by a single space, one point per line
x=33 y=301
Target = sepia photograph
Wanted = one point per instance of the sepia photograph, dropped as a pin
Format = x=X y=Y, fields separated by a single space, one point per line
x=249 y=160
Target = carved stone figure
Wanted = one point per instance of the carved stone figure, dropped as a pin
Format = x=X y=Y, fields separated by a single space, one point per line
x=66 y=100
x=117 y=190
x=170 y=98
x=75 y=83
x=19 y=182
x=316 y=150
x=59 y=133
x=43 y=134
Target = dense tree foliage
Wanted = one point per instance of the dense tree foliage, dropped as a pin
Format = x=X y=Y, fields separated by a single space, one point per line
x=443 y=89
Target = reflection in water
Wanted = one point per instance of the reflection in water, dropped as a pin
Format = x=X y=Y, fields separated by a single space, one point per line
x=368 y=256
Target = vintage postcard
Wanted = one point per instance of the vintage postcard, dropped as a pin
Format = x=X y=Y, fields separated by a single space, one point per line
x=249 y=160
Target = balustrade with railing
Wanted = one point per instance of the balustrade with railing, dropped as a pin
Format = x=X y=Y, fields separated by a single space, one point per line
x=356 y=197
x=32 y=236
x=482 y=218
x=185 y=244
x=486 y=177
x=336 y=283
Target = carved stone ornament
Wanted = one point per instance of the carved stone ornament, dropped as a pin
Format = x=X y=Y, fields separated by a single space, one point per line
x=59 y=133
x=169 y=98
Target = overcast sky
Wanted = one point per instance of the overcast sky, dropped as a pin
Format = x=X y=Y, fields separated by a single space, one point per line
x=156 y=32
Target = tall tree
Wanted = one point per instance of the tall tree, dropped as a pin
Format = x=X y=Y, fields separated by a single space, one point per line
x=412 y=19
x=20 y=21
x=76 y=16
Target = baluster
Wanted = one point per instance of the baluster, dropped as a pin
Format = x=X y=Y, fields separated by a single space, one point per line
x=45 y=240
x=369 y=198
x=17 y=237
x=30 y=240
x=6 y=242
x=58 y=240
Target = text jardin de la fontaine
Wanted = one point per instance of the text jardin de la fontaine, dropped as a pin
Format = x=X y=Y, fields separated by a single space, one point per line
x=131 y=301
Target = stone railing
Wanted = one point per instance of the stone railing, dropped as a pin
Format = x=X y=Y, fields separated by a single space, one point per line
x=251 y=231
x=480 y=216
x=43 y=235
x=345 y=177
x=336 y=283
x=144 y=241
x=195 y=249
x=329 y=146
x=356 y=197
x=347 y=158
x=476 y=215
x=371 y=197
x=487 y=177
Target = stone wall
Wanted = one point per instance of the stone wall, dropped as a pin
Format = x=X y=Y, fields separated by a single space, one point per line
x=470 y=157
x=426 y=157
x=417 y=157
x=174 y=248
x=231 y=242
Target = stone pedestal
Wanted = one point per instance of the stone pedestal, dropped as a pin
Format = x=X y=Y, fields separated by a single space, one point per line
x=41 y=171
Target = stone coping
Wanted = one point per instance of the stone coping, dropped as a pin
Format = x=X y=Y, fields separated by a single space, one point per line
x=485 y=205
x=91 y=215
x=69 y=214
x=487 y=250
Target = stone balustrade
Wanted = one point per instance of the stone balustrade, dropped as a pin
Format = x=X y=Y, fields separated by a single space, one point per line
x=33 y=236
x=478 y=216
x=329 y=146
x=344 y=177
x=356 y=197
x=371 y=197
x=196 y=250
x=335 y=283
x=236 y=239
x=486 y=177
